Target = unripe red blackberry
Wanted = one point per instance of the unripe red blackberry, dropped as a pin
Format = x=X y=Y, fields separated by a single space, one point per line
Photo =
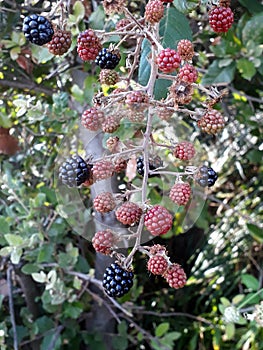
x=108 y=77
x=103 y=241
x=157 y=264
x=113 y=143
x=221 y=19
x=102 y=170
x=88 y=45
x=167 y=1
x=164 y=113
x=110 y=124
x=124 y=22
x=60 y=42
x=154 y=11
x=175 y=276
x=128 y=213
x=120 y=165
x=158 y=220
x=92 y=118
x=137 y=101
x=224 y=3
x=113 y=6
x=180 y=193
x=212 y=122
x=185 y=49
x=158 y=249
x=181 y=92
x=188 y=74
x=135 y=117
x=104 y=202
x=184 y=150
x=168 y=60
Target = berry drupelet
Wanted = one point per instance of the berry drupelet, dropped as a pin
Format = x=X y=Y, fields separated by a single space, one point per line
x=117 y=281
x=206 y=177
x=74 y=171
x=37 y=29
x=107 y=59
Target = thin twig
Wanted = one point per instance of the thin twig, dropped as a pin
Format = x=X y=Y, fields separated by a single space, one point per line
x=11 y=306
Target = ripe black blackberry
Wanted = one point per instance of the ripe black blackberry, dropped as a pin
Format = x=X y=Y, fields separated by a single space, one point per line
x=207 y=176
x=117 y=281
x=37 y=29
x=154 y=163
x=74 y=171
x=107 y=59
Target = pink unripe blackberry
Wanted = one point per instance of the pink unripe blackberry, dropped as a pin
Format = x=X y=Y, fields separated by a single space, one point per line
x=180 y=193
x=110 y=124
x=158 y=220
x=184 y=150
x=221 y=19
x=188 y=73
x=175 y=276
x=157 y=264
x=154 y=11
x=92 y=118
x=104 y=202
x=185 y=49
x=113 y=143
x=102 y=170
x=168 y=60
x=137 y=101
x=103 y=241
x=88 y=45
x=120 y=165
x=157 y=249
x=128 y=213
x=212 y=122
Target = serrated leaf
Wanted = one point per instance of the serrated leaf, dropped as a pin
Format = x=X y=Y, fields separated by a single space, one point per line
x=174 y=26
x=97 y=18
x=162 y=329
x=253 y=29
x=215 y=74
x=250 y=282
x=255 y=231
x=246 y=68
x=13 y=240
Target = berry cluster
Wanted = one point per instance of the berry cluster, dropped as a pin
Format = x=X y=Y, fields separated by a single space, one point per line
x=121 y=98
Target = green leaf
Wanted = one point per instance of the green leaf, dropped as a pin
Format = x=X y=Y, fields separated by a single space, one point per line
x=225 y=301
x=230 y=330
x=77 y=93
x=14 y=52
x=255 y=232
x=5 y=226
x=120 y=343
x=39 y=276
x=45 y=253
x=16 y=254
x=162 y=329
x=5 y=122
x=185 y=6
x=253 y=7
x=97 y=18
x=250 y=281
x=246 y=68
x=41 y=54
x=215 y=74
x=253 y=29
x=78 y=11
x=14 y=240
x=28 y=269
x=144 y=66
x=237 y=299
x=174 y=26
x=255 y=156
x=5 y=251
x=73 y=311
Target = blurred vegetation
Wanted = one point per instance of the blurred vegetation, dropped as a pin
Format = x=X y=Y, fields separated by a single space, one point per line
x=221 y=251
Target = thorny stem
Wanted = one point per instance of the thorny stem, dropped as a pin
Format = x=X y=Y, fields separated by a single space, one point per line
x=146 y=143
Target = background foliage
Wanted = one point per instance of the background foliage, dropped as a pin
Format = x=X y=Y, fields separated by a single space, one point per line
x=40 y=250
